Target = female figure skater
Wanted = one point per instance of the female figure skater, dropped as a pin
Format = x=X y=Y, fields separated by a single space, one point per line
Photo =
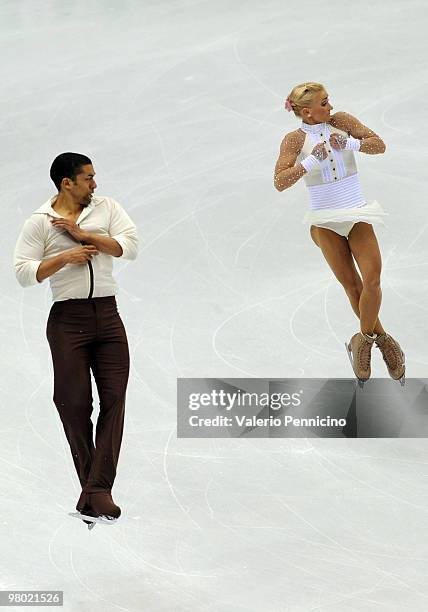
x=322 y=151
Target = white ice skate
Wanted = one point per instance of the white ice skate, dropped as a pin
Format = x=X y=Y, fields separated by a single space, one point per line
x=93 y=520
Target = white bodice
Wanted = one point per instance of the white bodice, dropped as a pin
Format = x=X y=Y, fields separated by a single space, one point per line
x=334 y=183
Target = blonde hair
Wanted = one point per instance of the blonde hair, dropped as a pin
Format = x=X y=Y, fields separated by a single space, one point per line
x=301 y=96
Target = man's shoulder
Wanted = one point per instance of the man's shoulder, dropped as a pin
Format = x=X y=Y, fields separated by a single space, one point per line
x=44 y=208
x=38 y=219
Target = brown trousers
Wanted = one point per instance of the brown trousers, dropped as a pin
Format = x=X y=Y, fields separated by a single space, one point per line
x=84 y=335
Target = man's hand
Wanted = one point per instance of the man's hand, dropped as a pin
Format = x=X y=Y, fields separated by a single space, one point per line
x=71 y=227
x=105 y=244
x=80 y=255
x=77 y=255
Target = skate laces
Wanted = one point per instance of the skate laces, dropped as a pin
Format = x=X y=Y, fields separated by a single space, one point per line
x=390 y=352
x=364 y=354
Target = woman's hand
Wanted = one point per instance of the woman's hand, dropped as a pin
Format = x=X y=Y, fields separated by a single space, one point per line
x=319 y=151
x=337 y=141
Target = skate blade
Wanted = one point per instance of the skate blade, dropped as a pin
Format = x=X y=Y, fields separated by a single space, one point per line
x=403 y=378
x=359 y=381
x=105 y=520
x=349 y=353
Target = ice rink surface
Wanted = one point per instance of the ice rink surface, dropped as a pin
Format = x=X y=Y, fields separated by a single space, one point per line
x=180 y=106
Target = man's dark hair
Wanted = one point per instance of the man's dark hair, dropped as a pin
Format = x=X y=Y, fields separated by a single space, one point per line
x=67 y=165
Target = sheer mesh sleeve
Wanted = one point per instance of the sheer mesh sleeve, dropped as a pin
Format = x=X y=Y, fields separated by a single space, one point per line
x=371 y=143
x=286 y=171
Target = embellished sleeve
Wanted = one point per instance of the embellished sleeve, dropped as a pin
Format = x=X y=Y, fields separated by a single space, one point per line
x=351 y=125
x=371 y=142
x=286 y=172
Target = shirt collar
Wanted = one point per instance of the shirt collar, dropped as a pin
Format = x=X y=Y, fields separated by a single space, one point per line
x=317 y=128
x=47 y=209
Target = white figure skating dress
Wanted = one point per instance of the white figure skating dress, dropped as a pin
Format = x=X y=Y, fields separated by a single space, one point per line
x=336 y=199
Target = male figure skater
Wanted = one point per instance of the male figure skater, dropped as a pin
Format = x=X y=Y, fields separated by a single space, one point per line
x=72 y=239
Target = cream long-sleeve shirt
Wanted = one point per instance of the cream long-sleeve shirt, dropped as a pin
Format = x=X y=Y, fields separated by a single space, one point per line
x=40 y=240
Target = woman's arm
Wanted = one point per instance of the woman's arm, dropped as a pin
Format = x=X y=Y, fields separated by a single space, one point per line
x=371 y=143
x=286 y=173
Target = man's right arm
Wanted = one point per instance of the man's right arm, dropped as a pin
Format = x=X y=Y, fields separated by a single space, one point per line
x=49 y=266
x=76 y=255
x=29 y=252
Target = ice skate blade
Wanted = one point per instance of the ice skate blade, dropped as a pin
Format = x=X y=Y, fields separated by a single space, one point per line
x=358 y=380
x=105 y=520
x=403 y=378
x=349 y=353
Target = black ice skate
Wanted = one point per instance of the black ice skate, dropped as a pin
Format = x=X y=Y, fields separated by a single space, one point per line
x=95 y=508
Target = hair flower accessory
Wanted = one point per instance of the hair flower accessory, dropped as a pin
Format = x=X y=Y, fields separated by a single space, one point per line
x=288 y=106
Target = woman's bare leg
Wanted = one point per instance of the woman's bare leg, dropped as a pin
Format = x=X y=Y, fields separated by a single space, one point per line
x=364 y=247
x=337 y=253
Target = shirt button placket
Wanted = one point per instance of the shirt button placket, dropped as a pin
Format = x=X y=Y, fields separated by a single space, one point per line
x=331 y=159
x=333 y=166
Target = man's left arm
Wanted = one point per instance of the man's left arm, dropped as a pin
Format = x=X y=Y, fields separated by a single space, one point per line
x=370 y=142
x=107 y=245
x=123 y=232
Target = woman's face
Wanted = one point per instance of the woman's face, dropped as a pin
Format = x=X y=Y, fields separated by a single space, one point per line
x=319 y=111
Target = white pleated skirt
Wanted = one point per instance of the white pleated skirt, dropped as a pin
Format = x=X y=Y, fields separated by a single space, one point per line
x=369 y=213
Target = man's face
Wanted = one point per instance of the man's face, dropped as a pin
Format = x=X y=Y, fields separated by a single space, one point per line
x=84 y=185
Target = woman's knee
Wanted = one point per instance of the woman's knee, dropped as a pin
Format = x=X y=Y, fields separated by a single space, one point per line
x=372 y=282
x=353 y=289
x=352 y=285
